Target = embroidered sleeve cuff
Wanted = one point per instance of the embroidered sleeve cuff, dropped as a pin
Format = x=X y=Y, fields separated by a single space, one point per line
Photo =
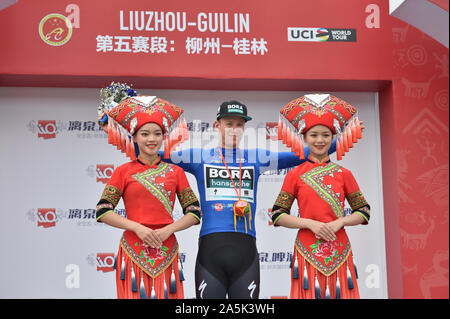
x=194 y=210
x=356 y=200
x=102 y=213
x=276 y=213
x=364 y=212
x=277 y=217
x=187 y=197
x=284 y=200
x=111 y=194
x=103 y=207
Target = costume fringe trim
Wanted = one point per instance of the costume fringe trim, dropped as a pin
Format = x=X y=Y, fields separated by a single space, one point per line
x=328 y=287
x=134 y=283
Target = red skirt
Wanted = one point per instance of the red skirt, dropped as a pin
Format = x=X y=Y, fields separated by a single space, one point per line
x=143 y=272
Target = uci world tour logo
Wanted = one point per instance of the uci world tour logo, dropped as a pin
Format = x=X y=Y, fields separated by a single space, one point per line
x=55 y=29
x=312 y=34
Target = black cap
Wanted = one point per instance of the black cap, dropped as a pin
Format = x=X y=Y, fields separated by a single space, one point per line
x=233 y=108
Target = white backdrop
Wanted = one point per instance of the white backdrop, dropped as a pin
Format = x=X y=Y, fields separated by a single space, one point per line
x=53 y=158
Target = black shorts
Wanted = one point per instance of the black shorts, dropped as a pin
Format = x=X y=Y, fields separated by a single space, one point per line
x=227 y=265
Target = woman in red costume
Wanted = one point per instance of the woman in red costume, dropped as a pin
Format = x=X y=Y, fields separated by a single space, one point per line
x=322 y=265
x=147 y=264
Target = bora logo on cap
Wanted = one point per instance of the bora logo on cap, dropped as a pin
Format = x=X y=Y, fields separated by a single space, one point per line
x=235 y=108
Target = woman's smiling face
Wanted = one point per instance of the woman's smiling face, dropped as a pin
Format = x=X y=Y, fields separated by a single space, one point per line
x=149 y=139
x=319 y=138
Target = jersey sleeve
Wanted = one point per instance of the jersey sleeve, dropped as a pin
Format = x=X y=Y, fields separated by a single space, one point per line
x=111 y=194
x=188 y=159
x=355 y=197
x=188 y=200
x=285 y=198
x=289 y=159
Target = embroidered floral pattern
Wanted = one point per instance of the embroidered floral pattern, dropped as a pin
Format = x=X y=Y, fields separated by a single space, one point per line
x=151 y=261
x=112 y=194
x=326 y=250
x=187 y=197
x=314 y=179
x=105 y=205
x=326 y=257
x=161 y=103
x=152 y=254
x=148 y=180
x=135 y=109
x=356 y=200
x=285 y=200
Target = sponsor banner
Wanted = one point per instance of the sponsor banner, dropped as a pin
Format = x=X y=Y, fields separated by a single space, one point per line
x=50 y=129
x=51 y=217
x=104 y=262
x=275 y=260
x=101 y=172
x=193 y=40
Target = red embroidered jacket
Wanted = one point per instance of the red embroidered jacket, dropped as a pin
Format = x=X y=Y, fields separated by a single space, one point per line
x=148 y=192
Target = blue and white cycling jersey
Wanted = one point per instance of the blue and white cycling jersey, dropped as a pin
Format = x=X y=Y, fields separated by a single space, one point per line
x=217 y=193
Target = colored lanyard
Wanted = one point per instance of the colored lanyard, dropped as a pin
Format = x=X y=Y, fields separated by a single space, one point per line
x=229 y=173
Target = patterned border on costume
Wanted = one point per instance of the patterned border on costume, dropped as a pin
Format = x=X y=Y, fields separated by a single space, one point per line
x=166 y=113
x=356 y=200
x=339 y=116
x=285 y=200
x=104 y=205
x=112 y=194
x=129 y=116
x=314 y=179
x=148 y=269
x=325 y=270
x=148 y=180
x=187 y=197
x=299 y=116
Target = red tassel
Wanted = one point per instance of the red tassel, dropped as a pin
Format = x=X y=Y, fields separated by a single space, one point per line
x=341 y=145
x=284 y=133
x=119 y=139
x=338 y=148
x=345 y=142
x=353 y=128
x=185 y=130
x=293 y=141
x=110 y=134
x=115 y=136
x=166 y=148
x=349 y=137
x=132 y=150
x=123 y=141
x=296 y=146
x=123 y=144
x=358 y=129
x=127 y=147
x=289 y=136
x=302 y=149
x=177 y=139
x=170 y=143
x=182 y=133
x=279 y=128
x=129 y=150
